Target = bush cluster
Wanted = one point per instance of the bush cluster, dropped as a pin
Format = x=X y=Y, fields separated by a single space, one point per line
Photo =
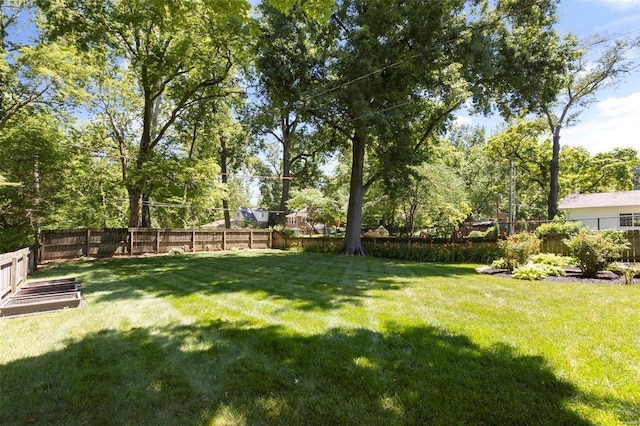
x=470 y=252
x=518 y=248
x=559 y=228
x=594 y=251
x=537 y=271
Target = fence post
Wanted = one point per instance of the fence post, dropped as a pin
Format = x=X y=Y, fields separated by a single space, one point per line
x=86 y=242
x=270 y=239
x=193 y=240
x=14 y=275
x=158 y=241
x=131 y=235
x=41 y=242
x=25 y=265
x=224 y=240
x=250 y=239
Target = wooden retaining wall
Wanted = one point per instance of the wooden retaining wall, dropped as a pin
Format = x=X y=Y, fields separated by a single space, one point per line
x=102 y=243
x=14 y=269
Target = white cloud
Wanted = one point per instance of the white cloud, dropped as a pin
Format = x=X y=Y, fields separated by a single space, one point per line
x=611 y=123
x=462 y=120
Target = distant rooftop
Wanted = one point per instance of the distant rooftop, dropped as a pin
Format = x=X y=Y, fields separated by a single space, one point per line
x=601 y=199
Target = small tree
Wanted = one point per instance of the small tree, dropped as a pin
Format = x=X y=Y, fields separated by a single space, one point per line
x=594 y=251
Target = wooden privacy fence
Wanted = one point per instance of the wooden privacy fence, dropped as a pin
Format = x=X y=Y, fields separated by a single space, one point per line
x=14 y=268
x=72 y=243
x=632 y=254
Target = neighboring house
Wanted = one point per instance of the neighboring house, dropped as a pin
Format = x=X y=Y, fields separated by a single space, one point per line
x=243 y=218
x=605 y=210
x=250 y=216
x=298 y=222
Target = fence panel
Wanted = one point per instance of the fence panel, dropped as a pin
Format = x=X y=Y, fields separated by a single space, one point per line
x=73 y=243
x=14 y=269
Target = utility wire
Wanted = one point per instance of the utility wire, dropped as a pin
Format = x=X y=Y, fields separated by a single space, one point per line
x=443 y=43
x=191 y=206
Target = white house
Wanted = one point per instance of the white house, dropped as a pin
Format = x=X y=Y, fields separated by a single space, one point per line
x=605 y=210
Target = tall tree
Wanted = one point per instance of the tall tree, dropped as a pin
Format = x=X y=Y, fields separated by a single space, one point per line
x=579 y=85
x=176 y=54
x=208 y=131
x=35 y=155
x=602 y=172
x=288 y=61
x=401 y=68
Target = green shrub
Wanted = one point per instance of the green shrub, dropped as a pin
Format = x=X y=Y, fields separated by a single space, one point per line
x=476 y=252
x=627 y=270
x=519 y=247
x=284 y=231
x=499 y=263
x=478 y=235
x=594 y=251
x=552 y=259
x=559 y=228
x=552 y=270
x=530 y=271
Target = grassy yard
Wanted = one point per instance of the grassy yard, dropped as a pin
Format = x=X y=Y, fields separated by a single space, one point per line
x=295 y=338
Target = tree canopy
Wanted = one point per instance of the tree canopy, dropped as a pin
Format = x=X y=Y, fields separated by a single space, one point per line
x=167 y=113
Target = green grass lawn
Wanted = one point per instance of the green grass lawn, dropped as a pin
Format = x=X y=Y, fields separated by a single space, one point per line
x=296 y=338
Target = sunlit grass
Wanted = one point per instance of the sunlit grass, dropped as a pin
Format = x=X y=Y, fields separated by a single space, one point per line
x=295 y=338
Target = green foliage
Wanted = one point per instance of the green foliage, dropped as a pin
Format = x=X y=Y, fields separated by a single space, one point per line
x=530 y=271
x=559 y=228
x=321 y=209
x=518 y=248
x=477 y=252
x=479 y=235
x=283 y=230
x=551 y=259
x=594 y=251
x=583 y=173
x=627 y=270
x=499 y=263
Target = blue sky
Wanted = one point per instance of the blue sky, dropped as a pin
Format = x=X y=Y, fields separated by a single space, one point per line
x=614 y=119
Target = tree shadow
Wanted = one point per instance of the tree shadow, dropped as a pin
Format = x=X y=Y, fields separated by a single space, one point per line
x=314 y=281
x=228 y=373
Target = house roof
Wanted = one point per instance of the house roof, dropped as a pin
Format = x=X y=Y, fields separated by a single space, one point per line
x=601 y=199
x=302 y=213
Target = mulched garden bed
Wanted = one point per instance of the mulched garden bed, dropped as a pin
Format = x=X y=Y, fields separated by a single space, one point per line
x=574 y=275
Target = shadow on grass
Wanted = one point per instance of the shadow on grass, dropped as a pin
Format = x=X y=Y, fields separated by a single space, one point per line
x=225 y=373
x=316 y=281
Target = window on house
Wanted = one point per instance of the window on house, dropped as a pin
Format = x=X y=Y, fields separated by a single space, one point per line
x=629 y=219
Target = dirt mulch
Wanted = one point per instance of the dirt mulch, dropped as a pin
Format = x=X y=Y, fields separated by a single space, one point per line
x=574 y=275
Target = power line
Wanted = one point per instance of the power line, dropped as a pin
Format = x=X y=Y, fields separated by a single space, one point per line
x=101 y=153
x=191 y=206
x=464 y=33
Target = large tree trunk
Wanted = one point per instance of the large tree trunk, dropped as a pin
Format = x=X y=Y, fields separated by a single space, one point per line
x=554 y=172
x=146 y=211
x=225 y=179
x=135 y=206
x=137 y=194
x=353 y=242
x=286 y=182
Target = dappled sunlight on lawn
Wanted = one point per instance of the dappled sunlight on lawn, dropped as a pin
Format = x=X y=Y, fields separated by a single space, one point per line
x=201 y=373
